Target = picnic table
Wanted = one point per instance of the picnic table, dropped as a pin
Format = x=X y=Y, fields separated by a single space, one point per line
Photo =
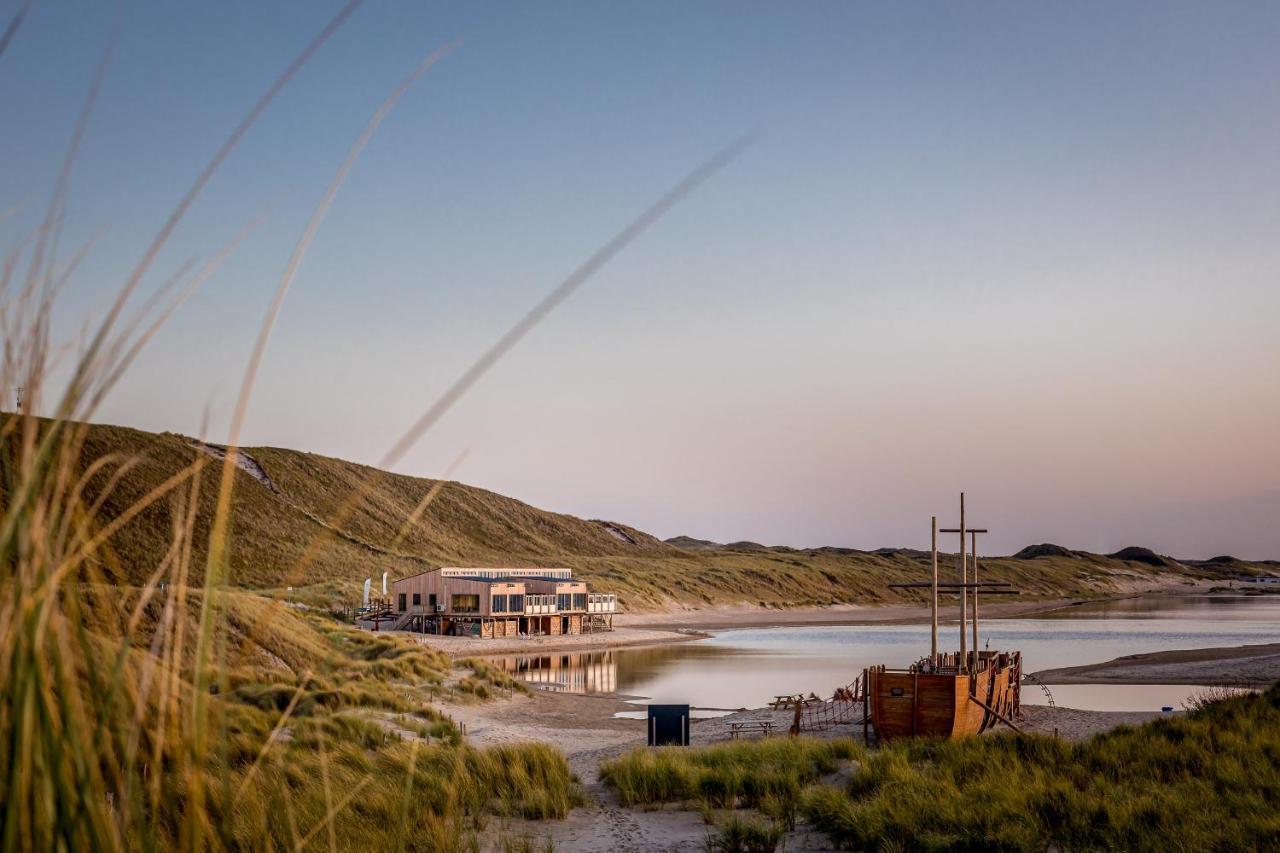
x=741 y=727
x=780 y=703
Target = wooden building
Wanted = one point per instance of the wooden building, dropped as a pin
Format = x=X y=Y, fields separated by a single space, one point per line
x=499 y=602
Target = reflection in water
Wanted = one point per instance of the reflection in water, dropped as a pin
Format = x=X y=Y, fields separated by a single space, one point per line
x=596 y=672
x=604 y=671
x=747 y=668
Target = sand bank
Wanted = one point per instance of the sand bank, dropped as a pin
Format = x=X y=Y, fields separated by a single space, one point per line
x=1231 y=665
x=652 y=629
x=464 y=647
x=675 y=626
x=753 y=616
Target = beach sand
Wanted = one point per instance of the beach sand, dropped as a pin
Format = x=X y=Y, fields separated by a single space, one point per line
x=1256 y=666
x=657 y=628
x=680 y=625
x=469 y=647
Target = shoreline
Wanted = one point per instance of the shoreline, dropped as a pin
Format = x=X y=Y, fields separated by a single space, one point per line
x=655 y=628
x=460 y=648
x=1248 y=665
x=731 y=618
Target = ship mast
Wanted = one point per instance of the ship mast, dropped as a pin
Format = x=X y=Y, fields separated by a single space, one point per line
x=933 y=644
x=966 y=586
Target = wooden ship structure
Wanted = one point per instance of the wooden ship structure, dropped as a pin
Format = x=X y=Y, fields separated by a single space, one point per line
x=948 y=694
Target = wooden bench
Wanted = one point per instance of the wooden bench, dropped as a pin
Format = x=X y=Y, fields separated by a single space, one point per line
x=742 y=727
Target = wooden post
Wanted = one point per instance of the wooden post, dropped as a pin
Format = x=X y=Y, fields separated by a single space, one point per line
x=993 y=712
x=866 y=707
x=973 y=539
x=964 y=599
x=934 y=633
x=915 y=703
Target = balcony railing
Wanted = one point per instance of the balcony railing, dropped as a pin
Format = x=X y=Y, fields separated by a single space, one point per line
x=540 y=604
x=599 y=602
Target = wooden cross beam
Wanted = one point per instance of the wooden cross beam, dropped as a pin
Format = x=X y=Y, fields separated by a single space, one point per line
x=946 y=584
x=964 y=578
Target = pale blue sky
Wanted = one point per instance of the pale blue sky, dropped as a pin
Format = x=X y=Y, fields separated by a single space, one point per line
x=1025 y=249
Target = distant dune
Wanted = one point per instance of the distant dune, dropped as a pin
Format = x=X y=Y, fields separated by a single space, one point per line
x=294 y=524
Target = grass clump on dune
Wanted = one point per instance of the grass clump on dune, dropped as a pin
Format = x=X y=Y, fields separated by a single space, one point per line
x=743 y=835
x=1209 y=780
x=486 y=680
x=768 y=774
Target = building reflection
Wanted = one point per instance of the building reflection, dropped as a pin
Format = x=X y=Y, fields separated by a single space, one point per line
x=606 y=671
x=594 y=672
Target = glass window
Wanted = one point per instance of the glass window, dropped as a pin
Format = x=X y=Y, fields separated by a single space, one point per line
x=499 y=604
x=517 y=604
x=402 y=607
x=417 y=599
x=465 y=604
x=562 y=601
x=579 y=601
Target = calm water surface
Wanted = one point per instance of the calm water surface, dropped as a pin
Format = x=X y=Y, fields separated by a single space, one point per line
x=746 y=668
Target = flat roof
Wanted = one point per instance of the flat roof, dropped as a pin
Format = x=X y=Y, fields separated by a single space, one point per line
x=567 y=578
x=516 y=579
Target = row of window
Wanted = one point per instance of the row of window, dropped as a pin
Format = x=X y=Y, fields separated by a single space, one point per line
x=500 y=603
x=470 y=603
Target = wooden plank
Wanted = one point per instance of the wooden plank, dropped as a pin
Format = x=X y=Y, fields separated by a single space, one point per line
x=995 y=713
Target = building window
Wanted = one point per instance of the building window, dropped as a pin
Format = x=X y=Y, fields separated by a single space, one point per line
x=402 y=607
x=417 y=599
x=465 y=603
x=499 y=604
x=517 y=604
x=579 y=601
x=563 y=600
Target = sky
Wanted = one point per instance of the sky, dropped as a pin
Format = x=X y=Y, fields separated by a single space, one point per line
x=1028 y=251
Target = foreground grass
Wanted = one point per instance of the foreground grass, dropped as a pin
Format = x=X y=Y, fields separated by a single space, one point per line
x=1208 y=780
x=768 y=774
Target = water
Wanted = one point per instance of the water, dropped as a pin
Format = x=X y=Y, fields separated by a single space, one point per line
x=747 y=668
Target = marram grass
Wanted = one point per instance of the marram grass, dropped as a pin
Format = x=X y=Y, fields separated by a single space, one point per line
x=1207 y=780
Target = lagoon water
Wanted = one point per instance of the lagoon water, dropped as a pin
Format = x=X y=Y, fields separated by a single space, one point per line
x=746 y=668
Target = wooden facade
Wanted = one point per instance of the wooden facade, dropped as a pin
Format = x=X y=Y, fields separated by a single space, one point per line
x=945 y=703
x=505 y=602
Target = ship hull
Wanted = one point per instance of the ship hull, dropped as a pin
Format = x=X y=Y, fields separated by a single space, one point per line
x=914 y=703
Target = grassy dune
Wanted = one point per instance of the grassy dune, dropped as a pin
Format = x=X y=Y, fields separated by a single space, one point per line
x=312 y=733
x=1208 y=780
x=321 y=525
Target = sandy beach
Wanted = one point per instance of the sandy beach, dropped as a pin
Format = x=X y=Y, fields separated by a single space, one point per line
x=753 y=616
x=1254 y=665
x=676 y=626
x=469 y=647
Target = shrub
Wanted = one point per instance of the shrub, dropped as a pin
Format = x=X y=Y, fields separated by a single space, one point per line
x=739 y=835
